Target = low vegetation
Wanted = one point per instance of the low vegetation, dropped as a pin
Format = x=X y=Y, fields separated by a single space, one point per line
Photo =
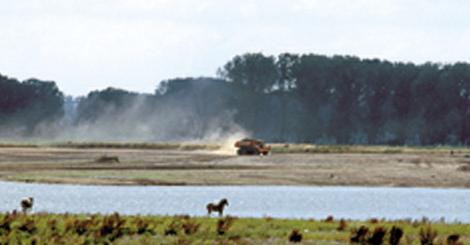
x=365 y=149
x=276 y=147
x=121 y=163
x=43 y=228
x=136 y=145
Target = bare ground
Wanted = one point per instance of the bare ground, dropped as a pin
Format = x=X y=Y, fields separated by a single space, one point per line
x=182 y=167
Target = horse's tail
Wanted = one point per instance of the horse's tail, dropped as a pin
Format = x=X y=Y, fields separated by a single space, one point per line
x=209 y=208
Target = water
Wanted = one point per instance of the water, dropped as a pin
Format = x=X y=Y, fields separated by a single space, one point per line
x=246 y=201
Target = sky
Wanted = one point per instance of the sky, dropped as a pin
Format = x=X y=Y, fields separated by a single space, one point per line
x=85 y=45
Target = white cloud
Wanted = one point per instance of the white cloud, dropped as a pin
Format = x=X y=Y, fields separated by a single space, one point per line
x=90 y=44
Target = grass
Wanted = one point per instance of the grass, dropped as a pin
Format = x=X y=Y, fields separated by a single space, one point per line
x=196 y=164
x=276 y=147
x=143 y=177
x=137 y=145
x=364 y=149
x=113 y=145
x=43 y=228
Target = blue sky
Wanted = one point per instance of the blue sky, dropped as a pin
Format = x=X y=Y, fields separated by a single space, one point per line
x=85 y=45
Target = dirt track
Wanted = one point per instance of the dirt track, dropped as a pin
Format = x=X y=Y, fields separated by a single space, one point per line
x=176 y=167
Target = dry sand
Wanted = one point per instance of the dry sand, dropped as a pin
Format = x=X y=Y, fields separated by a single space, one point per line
x=178 y=167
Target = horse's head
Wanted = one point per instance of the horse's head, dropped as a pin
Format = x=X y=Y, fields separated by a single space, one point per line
x=224 y=202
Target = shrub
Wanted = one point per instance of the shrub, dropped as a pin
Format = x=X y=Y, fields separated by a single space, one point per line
x=295 y=236
x=395 y=235
x=223 y=225
x=329 y=219
x=453 y=239
x=171 y=230
x=359 y=235
x=377 y=236
x=342 y=225
x=190 y=227
x=427 y=235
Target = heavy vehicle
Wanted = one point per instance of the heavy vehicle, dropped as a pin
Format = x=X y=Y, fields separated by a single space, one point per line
x=252 y=147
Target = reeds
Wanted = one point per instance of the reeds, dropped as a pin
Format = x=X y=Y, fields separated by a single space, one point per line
x=377 y=237
x=395 y=235
x=342 y=225
x=42 y=228
x=223 y=225
x=427 y=235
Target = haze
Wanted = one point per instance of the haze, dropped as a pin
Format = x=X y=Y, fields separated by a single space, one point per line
x=85 y=45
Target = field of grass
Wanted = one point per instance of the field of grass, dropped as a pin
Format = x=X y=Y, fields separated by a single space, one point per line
x=113 y=145
x=177 y=164
x=200 y=164
x=276 y=147
x=364 y=149
x=44 y=228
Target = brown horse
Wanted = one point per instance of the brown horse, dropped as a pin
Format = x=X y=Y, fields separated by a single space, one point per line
x=212 y=207
x=27 y=204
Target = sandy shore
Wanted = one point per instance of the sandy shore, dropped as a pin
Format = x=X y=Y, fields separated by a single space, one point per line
x=183 y=167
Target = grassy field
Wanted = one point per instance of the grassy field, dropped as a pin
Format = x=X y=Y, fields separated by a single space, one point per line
x=44 y=228
x=276 y=147
x=365 y=149
x=206 y=164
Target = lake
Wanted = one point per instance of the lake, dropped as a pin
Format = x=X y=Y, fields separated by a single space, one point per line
x=245 y=201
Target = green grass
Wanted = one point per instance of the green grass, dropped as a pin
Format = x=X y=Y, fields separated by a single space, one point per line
x=45 y=228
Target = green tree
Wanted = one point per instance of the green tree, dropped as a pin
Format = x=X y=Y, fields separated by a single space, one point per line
x=253 y=70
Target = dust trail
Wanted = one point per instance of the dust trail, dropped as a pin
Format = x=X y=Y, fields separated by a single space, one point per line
x=225 y=140
x=179 y=115
x=227 y=146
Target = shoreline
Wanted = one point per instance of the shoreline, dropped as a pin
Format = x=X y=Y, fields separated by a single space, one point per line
x=183 y=229
x=177 y=167
x=123 y=184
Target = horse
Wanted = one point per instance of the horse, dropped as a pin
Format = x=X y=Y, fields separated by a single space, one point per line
x=212 y=207
x=27 y=204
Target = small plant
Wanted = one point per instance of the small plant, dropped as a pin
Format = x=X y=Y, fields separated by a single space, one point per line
x=112 y=227
x=143 y=226
x=373 y=220
x=359 y=235
x=107 y=159
x=395 y=235
x=453 y=239
x=52 y=224
x=377 y=237
x=295 y=236
x=28 y=226
x=5 y=224
x=190 y=227
x=342 y=225
x=73 y=225
x=171 y=229
x=223 y=225
x=329 y=219
x=427 y=235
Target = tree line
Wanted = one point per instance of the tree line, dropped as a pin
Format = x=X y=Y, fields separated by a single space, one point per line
x=304 y=98
x=344 y=99
x=27 y=104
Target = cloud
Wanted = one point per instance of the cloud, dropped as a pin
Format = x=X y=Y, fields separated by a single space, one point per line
x=89 y=44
